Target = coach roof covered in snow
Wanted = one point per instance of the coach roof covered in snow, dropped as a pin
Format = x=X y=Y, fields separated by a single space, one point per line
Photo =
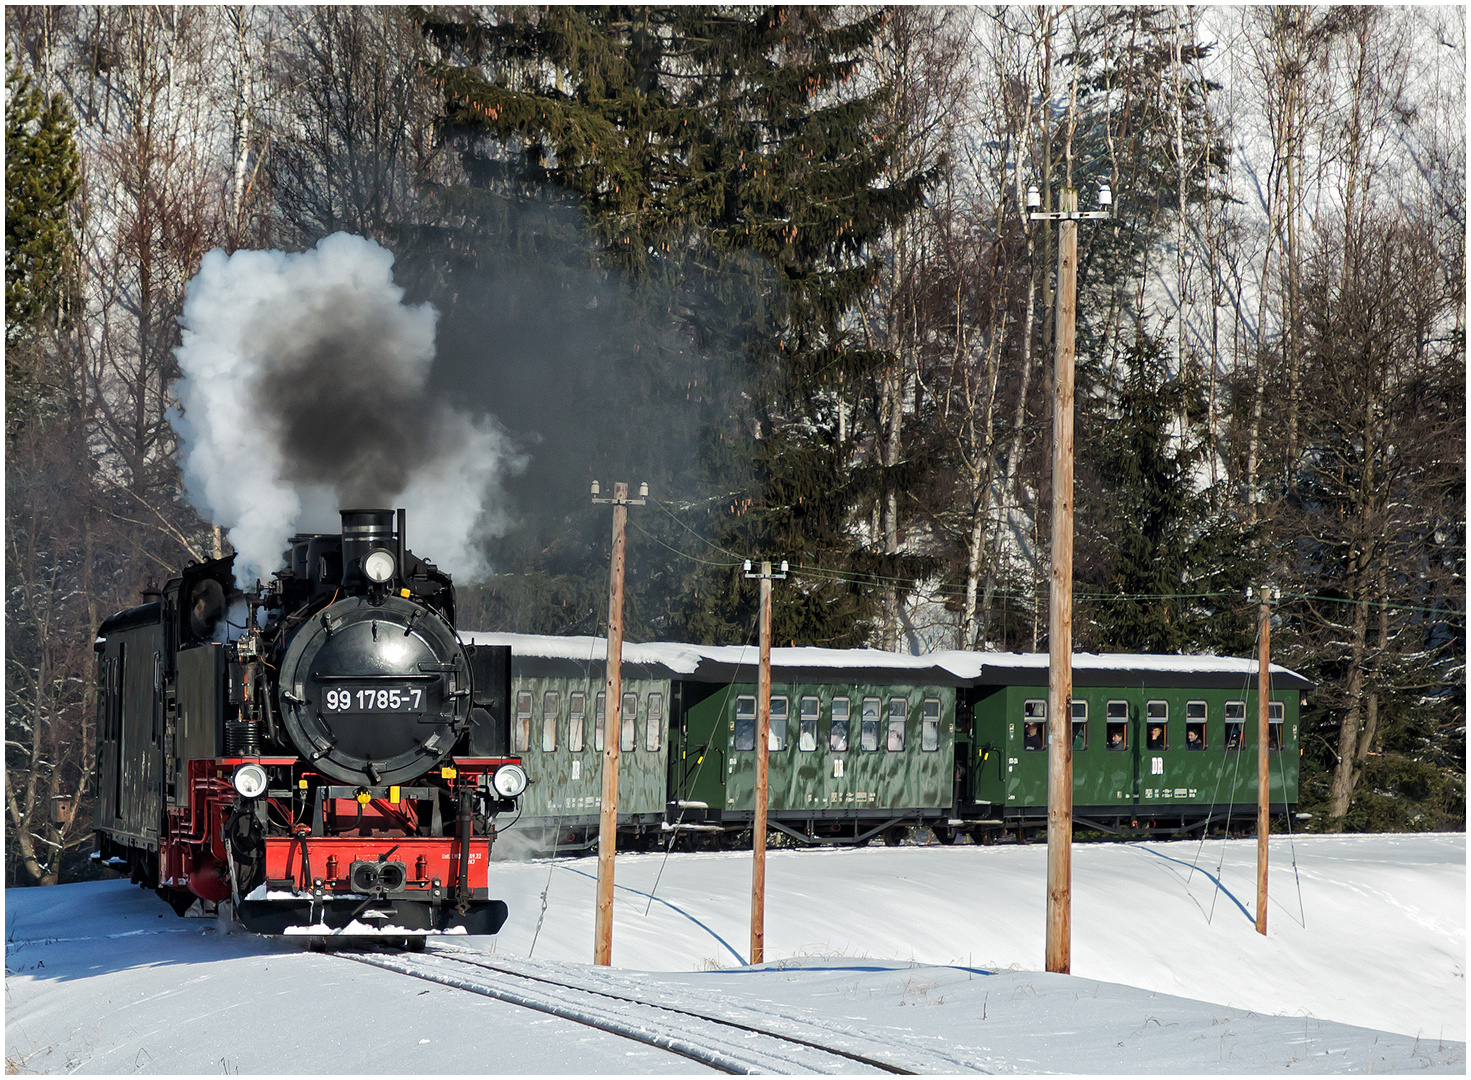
x=724 y=662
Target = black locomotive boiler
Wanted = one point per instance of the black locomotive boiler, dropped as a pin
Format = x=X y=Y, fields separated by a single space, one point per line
x=321 y=752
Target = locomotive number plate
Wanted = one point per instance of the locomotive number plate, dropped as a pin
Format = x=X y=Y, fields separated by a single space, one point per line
x=375 y=699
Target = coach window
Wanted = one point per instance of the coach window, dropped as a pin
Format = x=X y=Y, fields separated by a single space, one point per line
x=1194 y=725
x=626 y=738
x=929 y=726
x=600 y=720
x=551 y=707
x=523 y=721
x=1274 y=725
x=654 y=724
x=868 y=725
x=745 y=722
x=1116 y=725
x=898 y=717
x=807 y=712
x=576 y=711
x=1235 y=724
x=837 y=736
x=1080 y=725
x=1034 y=725
x=776 y=734
x=1156 y=725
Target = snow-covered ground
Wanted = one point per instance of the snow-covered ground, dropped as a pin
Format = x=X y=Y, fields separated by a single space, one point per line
x=930 y=953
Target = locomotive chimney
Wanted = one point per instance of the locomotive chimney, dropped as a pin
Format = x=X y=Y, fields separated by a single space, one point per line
x=362 y=532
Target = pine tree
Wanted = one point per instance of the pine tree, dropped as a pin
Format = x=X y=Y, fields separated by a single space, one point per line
x=726 y=153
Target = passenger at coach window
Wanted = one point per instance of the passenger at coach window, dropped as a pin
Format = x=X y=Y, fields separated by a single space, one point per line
x=1193 y=741
x=1156 y=739
x=1233 y=736
x=1033 y=738
x=1116 y=737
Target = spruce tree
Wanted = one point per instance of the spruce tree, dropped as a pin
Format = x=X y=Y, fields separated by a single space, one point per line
x=1165 y=559
x=726 y=154
x=42 y=176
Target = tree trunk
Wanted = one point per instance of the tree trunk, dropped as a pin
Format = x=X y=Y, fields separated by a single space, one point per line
x=1341 y=792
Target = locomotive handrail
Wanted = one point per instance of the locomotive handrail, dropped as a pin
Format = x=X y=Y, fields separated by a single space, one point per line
x=328 y=677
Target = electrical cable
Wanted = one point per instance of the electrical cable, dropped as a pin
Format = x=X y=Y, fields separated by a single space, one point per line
x=856 y=578
x=681 y=554
x=663 y=506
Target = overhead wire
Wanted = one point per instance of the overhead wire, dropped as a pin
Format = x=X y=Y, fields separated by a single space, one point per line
x=854 y=577
x=861 y=578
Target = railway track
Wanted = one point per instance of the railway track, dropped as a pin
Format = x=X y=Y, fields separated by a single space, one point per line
x=722 y=1044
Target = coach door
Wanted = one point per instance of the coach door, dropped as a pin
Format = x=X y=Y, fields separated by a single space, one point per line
x=109 y=722
x=136 y=797
x=697 y=769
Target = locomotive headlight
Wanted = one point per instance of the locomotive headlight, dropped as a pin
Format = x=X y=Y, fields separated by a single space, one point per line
x=379 y=566
x=250 y=781
x=509 y=781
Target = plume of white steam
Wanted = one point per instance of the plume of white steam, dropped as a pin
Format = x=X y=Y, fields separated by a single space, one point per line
x=304 y=392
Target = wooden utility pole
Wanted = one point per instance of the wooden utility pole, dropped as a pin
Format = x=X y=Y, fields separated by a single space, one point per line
x=1060 y=608
x=763 y=738
x=612 y=723
x=1263 y=773
x=1060 y=602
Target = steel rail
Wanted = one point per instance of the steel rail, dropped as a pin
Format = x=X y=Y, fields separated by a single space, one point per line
x=421 y=966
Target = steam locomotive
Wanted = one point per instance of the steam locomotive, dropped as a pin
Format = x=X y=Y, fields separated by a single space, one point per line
x=322 y=752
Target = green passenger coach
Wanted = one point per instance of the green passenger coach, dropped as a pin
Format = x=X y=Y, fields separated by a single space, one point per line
x=861 y=743
x=865 y=744
x=558 y=710
x=1158 y=743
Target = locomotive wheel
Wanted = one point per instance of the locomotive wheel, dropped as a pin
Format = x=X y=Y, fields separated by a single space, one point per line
x=943 y=833
x=416 y=943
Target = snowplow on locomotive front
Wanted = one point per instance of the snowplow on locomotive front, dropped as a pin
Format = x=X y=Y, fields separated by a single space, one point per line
x=322 y=753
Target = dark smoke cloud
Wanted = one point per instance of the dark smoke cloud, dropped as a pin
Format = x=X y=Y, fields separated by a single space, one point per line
x=305 y=391
x=347 y=411
x=598 y=375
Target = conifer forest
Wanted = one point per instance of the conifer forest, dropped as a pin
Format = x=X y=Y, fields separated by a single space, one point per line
x=776 y=262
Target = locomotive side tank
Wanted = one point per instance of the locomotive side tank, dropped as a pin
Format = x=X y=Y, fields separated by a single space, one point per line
x=323 y=752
